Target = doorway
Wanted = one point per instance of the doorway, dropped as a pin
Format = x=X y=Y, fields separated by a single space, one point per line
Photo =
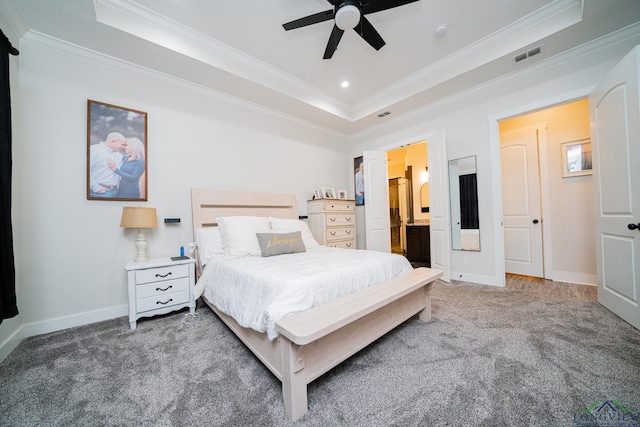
x=406 y=169
x=549 y=228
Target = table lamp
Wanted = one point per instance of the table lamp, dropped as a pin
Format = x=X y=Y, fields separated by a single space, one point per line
x=140 y=218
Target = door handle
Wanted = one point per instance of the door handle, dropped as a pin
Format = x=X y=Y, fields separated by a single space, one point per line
x=535 y=221
x=634 y=226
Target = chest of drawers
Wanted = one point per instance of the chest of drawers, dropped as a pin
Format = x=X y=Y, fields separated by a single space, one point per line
x=333 y=222
x=159 y=286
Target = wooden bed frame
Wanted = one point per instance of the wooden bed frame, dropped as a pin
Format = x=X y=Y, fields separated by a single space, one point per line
x=314 y=341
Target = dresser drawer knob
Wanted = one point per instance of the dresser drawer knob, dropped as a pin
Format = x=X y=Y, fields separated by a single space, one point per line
x=348 y=245
x=332 y=219
x=348 y=218
x=348 y=231
x=164 y=275
x=164 y=303
x=165 y=289
x=333 y=233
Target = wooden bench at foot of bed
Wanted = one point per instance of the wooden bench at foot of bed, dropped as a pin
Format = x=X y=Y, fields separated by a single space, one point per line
x=316 y=340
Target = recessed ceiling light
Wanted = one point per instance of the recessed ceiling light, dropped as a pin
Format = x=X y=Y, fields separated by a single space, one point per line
x=345 y=84
x=441 y=30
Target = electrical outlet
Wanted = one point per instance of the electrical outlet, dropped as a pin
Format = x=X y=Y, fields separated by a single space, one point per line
x=465 y=260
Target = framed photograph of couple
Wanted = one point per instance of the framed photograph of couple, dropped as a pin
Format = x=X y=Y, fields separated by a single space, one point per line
x=116 y=153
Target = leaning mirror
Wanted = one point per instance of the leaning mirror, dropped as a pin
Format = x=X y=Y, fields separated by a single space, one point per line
x=463 y=188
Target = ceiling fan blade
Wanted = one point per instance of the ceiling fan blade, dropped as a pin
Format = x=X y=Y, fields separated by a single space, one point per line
x=369 y=34
x=374 y=6
x=334 y=39
x=309 y=20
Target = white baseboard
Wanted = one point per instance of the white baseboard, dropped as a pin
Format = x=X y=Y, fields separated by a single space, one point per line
x=580 y=279
x=53 y=325
x=11 y=343
x=474 y=278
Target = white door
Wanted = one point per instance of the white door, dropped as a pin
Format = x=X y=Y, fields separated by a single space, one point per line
x=440 y=228
x=376 y=201
x=522 y=220
x=615 y=134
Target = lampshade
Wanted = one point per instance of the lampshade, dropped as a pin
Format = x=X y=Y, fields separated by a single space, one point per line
x=138 y=217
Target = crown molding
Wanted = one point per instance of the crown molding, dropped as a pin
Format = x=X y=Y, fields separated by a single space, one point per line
x=158 y=29
x=629 y=34
x=101 y=59
x=537 y=25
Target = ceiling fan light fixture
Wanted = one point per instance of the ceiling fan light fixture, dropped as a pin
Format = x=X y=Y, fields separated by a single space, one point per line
x=347 y=17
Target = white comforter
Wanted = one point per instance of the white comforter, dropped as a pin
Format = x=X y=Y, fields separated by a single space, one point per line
x=258 y=291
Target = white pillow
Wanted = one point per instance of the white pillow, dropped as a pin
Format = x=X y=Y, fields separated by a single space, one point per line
x=239 y=234
x=281 y=225
x=209 y=243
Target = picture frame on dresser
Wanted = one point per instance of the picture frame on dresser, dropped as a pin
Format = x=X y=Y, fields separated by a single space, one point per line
x=342 y=194
x=317 y=194
x=328 y=193
x=116 y=153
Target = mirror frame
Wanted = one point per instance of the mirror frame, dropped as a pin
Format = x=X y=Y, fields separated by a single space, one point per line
x=464 y=238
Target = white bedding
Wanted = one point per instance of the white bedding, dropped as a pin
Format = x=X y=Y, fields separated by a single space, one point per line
x=258 y=291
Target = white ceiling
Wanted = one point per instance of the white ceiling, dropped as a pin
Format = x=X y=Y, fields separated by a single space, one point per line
x=240 y=48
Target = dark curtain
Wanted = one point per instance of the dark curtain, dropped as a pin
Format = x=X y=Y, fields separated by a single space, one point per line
x=469 y=202
x=8 y=305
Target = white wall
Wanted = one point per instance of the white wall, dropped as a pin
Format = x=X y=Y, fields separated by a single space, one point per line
x=70 y=252
x=466 y=120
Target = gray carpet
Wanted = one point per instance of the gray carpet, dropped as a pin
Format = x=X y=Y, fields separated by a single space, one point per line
x=490 y=357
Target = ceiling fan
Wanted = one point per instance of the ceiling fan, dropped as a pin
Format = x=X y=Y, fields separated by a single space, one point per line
x=349 y=14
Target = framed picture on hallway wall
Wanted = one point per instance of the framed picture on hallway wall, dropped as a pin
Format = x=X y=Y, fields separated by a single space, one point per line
x=576 y=158
x=358 y=180
x=116 y=153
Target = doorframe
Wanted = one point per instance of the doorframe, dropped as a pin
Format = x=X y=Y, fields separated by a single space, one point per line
x=496 y=176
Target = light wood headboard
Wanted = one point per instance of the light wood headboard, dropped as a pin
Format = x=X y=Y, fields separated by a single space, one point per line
x=207 y=205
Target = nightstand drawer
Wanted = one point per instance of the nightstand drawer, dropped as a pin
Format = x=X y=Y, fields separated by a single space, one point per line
x=340 y=233
x=160 y=288
x=162 y=273
x=340 y=219
x=346 y=244
x=160 y=301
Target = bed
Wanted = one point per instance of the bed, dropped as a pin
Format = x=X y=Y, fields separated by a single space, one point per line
x=298 y=348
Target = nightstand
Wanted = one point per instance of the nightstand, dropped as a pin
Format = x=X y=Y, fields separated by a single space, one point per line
x=159 y=286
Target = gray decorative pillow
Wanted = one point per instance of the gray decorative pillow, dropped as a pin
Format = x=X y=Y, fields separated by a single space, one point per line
x=280 y=243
